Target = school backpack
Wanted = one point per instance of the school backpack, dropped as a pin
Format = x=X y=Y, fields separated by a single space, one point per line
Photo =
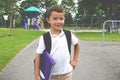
x=47 y=40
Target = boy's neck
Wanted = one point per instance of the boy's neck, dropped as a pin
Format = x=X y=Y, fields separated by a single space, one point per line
x=55 y=32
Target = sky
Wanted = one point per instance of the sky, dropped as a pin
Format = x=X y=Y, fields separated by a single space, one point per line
x=19 y=2
x=59 y=1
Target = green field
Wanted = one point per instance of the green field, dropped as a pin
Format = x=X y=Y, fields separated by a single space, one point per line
x=97 y=36
x=11 y=42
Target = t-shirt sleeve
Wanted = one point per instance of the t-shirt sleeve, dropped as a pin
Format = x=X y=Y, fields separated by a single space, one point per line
x=74 y=40
x=41 y=46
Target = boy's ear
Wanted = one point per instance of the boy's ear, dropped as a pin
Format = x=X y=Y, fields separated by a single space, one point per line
x=47 y=19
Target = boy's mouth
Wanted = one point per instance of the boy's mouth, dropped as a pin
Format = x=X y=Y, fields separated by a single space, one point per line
x=58 y=25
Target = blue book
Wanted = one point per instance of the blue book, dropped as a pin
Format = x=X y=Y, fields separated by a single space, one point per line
x=46 y=66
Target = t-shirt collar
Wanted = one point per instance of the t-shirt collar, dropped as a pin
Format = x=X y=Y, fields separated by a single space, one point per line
x=61 y=33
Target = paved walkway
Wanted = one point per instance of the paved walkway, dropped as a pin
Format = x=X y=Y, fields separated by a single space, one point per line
x=96 y=62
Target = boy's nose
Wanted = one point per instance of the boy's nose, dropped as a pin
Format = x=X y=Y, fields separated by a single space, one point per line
x=58 y=21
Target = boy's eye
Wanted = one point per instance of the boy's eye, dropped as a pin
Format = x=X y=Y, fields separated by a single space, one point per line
x=61 y=18
x=58 y=18
x=54 y=18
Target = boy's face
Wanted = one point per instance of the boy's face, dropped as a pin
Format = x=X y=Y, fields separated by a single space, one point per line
x=56 y=20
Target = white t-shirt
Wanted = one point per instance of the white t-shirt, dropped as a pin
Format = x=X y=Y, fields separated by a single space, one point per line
x=59 y=52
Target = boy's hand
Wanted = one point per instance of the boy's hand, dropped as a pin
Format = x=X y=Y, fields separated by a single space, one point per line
x=37 y=77
x=74 y=63
x=76 y=54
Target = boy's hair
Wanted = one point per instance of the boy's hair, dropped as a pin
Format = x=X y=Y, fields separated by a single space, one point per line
x=54 y=8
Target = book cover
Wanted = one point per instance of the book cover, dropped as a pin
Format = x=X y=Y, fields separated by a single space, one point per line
x=46 y=65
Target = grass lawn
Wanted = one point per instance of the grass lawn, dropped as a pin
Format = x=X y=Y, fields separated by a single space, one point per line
x=11 y=42
x=97 y=36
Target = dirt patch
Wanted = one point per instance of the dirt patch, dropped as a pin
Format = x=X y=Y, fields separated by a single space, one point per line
x=7 y=35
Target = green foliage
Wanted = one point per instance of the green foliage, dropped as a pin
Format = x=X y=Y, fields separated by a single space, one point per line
x=69 y=5
x=68 y=19
x=11 y=42
x=108 y=7
x=8 y=6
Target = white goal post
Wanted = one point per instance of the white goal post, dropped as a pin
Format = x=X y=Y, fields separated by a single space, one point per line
x=112 y=26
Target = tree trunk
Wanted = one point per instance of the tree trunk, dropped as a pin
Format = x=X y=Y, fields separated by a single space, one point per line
x=10 y=21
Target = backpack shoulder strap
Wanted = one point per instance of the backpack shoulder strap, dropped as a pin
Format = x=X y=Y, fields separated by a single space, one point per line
x=68 y=37
x=47 y=41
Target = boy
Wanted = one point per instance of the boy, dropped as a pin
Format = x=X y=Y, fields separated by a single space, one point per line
x=59 y=47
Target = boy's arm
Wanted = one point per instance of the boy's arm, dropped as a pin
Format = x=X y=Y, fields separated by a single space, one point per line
x=37 y=65
x=76 y=54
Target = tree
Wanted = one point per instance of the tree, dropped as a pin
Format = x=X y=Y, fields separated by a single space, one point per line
x=42 y=4
x=69 y=19
x=70 y=9
x=69 y=5
x=9 y=8
x=109 y=8
x=2 y=3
